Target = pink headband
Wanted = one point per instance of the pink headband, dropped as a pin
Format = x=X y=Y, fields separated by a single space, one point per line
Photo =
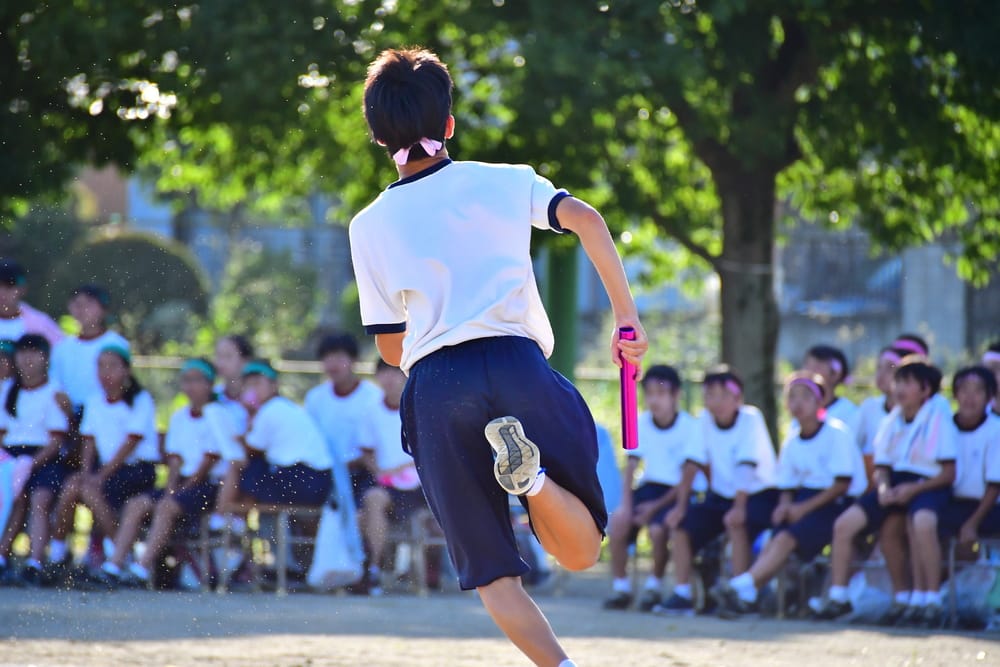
x=990 y=356
x=813 y=387
x=910 y=346
x=837 y=367
x=430 y=146
x=733 y=387
x=889 y=355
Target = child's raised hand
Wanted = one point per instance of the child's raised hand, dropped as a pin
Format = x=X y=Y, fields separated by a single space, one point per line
x=631 y=350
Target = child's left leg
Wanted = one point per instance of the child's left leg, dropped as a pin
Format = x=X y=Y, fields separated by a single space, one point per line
x=516 y=614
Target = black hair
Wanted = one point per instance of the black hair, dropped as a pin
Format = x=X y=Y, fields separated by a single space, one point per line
x=914 y=338
x=407 y=97
x=919 y=369
x=829 y=353
x=988 y=379
x=242 y=345
x=98 y=293
x=341 y=342
x=662 y=373
x=132 y=387
x=994 y=346
x=25 y=342
x=721 y=375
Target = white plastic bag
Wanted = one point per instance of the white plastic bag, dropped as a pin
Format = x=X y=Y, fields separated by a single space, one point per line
x=870 y=593
x=334 y=562
x=7 y=495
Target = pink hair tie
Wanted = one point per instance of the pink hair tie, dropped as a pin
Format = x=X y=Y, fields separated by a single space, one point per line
x=910 y=346
x=812 y=386
x=430 y=146
x=733 y=387
x=891 y=356
x=991 y=356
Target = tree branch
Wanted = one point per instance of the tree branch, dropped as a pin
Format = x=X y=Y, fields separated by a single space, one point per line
x=715 y=155
x=686 y=241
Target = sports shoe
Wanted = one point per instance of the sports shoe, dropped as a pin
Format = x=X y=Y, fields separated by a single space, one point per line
x=897 y=614
x=31 y=577
x=517 y=461
x=619 y=601
x=731 y=606
x=933 y=617
x=675 y=606
x=831 y=609
x=650 y=599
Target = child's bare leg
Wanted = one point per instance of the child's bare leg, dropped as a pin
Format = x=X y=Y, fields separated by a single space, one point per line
x=893 y=542
x=845 y=528
x=92 y=494
x=680 y=542
x=14 y=524
x=661 y=554
x=773 y=558
x=516 y=614
x=619 y=526
x=38 y=523
x=375 y=522
x=165 y=516
x=133 y=514
x=565 y=526
x=926 y=551
x=66 y=506
x=739 y=544
x=229 y=489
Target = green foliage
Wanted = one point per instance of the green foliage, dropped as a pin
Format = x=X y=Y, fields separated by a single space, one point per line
x=350 y=311
x=265 y=296
x=40 y=241
x=157 y=287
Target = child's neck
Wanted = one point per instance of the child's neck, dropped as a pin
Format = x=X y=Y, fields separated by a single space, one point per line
x=91 y=331
x=346 y=386
x=665 y=421
x=970 y=422
x=33 y=381
x=10 y=312
x=727 y=424
x=809 y=427
x=416 y=166
x=833 y=399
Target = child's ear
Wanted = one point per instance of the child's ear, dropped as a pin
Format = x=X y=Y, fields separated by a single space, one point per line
x=380 y=143
x=449 y=127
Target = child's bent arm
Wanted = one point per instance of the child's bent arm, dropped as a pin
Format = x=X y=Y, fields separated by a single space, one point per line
x=390 y=346
x=584 y=221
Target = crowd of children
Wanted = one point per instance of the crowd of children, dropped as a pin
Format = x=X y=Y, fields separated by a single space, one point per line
x=899 y=475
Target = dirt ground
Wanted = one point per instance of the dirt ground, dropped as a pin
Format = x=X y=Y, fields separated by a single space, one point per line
x=47 y=628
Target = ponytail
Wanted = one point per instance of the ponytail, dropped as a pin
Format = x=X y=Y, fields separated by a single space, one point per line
x=132 y=389
x=10 y=404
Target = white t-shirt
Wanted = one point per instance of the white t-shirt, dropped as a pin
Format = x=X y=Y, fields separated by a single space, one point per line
x=341 y=418
x=110 y=424
x=724 y=450
x=870 y=415
x=382 y=432
x=978 y=452
x=238 y=417
x=663 y=450
x=920 y=446
x=191 y=438
x=38 y=416
x=287 y=435
x=817 y=462
x=12 y=329
x=446 y=256
x=74 y=364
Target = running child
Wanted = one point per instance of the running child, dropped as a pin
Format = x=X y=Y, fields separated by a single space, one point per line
x=287 y=462
x=735 y=450
x=397 y=495
x=820 y=471
x=915 y=467
x=120 y=451
x=443 y=264
x=32 y=430
x=665 y=434
x=341 y=406
x=197 y=435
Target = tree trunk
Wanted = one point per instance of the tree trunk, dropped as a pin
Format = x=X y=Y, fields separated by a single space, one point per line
x=746 y=268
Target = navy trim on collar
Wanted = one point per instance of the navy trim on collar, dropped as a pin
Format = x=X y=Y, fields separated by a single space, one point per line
x=422 y=173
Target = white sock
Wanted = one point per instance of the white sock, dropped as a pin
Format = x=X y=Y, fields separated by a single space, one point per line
x=216 y=521
x=683 y=590
x=537 y=485
x=57 y=550
x=838 y=593
x=653 y=583
x=139 y=571
x=932 y=598
x=111 y=568
x=744 y=587
x=567 y=663
x=918 y=599
x=623 y=585
x=33 y=564
x=902 y=597
x=3 y=561
x=109 y=547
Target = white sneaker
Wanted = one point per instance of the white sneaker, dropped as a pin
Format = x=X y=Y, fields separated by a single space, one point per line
x=517 y=459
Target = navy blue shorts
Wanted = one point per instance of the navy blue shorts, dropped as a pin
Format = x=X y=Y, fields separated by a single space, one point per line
x=815 y=530
x=362 y=479
x=990 y=526
x=933 y=500
x=645 y=493
x=953 y=515
x=285 y=485
x=129 y=480
x=194 y=501
x=704 y=521
x=50 y=476
x=450 y=396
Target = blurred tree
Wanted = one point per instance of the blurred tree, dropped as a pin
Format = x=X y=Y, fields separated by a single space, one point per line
x=40 y=241
x=157 y=288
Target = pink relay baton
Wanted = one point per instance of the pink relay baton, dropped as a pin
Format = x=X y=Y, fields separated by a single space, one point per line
x=628 y=375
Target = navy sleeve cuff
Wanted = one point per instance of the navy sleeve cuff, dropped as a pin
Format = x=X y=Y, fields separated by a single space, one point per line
x=553 y=203
x=374 y=329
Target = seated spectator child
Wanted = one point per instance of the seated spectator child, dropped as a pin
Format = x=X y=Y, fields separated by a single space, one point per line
x=735 y=450
x=397 y=494
x=120 y=450
x=7 y=371
x=991 y=360
x=830 y=363
x=874 y=409
x=197 y=436
x=287 y=462
x=74 y=360
x=820 y=471
x=32 y=429
x=665 y=434
x=915 y=467
x=16 y=317
x=341 y=405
